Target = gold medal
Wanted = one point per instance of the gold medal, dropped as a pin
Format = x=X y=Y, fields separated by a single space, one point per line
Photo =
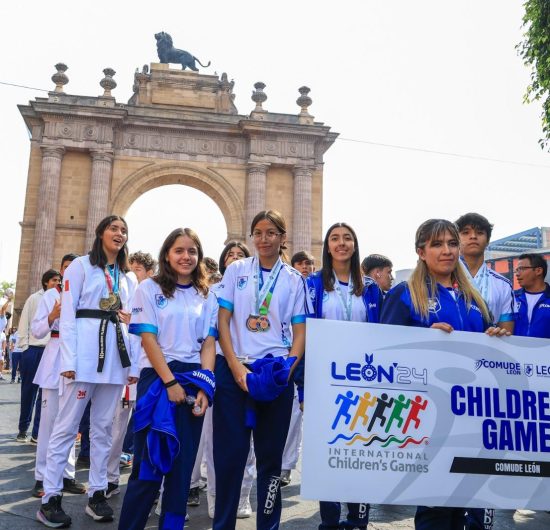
x=104 y=304
x=263 y=323
x=252 y=323
x=115 y=302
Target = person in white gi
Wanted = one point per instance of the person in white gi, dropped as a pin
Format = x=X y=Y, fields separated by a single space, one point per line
x=94 y=364
x=46 y=321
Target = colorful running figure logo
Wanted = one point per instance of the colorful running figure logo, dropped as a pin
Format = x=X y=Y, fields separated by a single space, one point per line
x=347 y=402
x=416 y=406
x=381 y=405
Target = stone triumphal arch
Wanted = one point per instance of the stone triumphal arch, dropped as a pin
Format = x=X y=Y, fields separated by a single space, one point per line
x=91 y=156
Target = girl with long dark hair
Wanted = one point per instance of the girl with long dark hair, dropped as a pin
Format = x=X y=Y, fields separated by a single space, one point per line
x=95 y=364
x=339 y=292
x=175 y=315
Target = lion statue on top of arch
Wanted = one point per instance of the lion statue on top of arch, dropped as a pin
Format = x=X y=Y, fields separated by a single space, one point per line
x=168 y=54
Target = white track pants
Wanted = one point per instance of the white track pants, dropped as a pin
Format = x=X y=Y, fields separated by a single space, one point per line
x=120 y=425
x=208 y=455
x=294 y=437
x=73 y=401
x=50 y=406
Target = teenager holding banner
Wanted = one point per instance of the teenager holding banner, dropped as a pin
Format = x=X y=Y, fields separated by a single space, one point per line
x=263 y=308
x=175 y=315
x=95 y=364
x=339 y=292
x=439 y=295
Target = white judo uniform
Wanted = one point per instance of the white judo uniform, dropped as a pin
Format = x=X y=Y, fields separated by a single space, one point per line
x=47 y=378
x=84 y=286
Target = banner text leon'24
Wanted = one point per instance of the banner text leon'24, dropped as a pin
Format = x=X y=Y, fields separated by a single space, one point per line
x=400 y=415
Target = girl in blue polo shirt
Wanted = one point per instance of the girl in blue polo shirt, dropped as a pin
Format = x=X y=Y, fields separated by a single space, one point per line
x=175 y=314
x=263 y=308
x=339 y=292
x=438 y=295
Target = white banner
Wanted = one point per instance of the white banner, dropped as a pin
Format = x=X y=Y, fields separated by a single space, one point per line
x=414 y=416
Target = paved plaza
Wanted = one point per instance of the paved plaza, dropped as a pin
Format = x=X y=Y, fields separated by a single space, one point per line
x=18 y=508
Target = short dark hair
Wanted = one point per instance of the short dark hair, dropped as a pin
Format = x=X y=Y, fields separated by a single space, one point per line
x=68 y=257
x=47 y=276
x=475 y=220
x=375 y=261
x=8 y=315
x=301 y=256
x=211 y=265
x=143 y=258
x=536 y=260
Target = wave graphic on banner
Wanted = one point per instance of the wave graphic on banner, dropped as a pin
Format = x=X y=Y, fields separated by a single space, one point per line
x=385 y=442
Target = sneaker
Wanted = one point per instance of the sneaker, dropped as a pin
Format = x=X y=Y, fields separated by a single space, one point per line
x=34 y=440
x=125 y=460
x=211 y=501
x=12 y=381
x=98 y=509
x=285 y=477
x=22 y=437
x=38 y=490
x=244 y=510
x=112 y=489
x=193 y=499
x=52 y=515
x=70 y=485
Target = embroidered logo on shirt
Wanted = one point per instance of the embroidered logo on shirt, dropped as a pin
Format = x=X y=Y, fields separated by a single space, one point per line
x=242 y=281
x=433 y=305
x=66 y=288
x=161 y=301
x=81 y=394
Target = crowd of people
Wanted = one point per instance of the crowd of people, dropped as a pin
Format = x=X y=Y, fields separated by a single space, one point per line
x=185 y=362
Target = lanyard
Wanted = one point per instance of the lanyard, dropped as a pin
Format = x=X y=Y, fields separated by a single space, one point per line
x=110 y=276
x=344 y=302
x=264 y=291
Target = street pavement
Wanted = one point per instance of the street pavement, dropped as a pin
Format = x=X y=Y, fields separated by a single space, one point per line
x=18 y=508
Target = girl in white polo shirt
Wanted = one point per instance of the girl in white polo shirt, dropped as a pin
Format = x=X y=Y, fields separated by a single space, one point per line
x=175 y=314
x=263 y=307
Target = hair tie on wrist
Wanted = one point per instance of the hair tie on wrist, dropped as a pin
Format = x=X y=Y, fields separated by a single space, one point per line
x=171 y=383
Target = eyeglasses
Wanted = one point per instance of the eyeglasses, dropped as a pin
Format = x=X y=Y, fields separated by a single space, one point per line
x=521 y=269
x=269 y=235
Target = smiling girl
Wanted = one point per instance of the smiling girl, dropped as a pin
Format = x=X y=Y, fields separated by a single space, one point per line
x=95 y=364
x=175 y=315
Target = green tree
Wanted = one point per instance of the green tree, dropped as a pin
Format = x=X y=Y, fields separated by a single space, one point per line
x=535 y=52
x=6 y=285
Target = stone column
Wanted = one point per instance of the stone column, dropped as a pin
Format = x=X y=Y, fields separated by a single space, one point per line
x=46 y=214
x=100 y=183
x=255 y=192
x=301 y=228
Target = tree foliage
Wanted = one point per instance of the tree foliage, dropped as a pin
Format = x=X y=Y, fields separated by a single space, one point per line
x=535 y=52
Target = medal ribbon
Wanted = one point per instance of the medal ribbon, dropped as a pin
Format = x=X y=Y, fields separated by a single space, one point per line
x=264 y=291
x=345 y=303
x=113 y=289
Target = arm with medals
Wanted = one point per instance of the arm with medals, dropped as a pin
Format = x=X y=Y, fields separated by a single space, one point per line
x=73 y=281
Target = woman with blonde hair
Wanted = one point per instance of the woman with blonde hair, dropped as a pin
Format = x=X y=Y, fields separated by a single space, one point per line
x=439 y=295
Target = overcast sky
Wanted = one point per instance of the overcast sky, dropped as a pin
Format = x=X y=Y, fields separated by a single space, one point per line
x=432 y=75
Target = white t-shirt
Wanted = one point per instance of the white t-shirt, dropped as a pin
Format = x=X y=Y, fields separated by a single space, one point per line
x=84 y=285
x=181 y=323
x=289 y=305
x=532 y=299
x=334 y=310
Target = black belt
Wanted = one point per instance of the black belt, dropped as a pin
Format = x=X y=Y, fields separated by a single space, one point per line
x=105 y=317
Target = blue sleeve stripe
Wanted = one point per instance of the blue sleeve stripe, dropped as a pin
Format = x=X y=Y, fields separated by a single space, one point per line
x=213 y=332
x=298 y=319
x=138 y=329
x=225 y=304
x=508 y=317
